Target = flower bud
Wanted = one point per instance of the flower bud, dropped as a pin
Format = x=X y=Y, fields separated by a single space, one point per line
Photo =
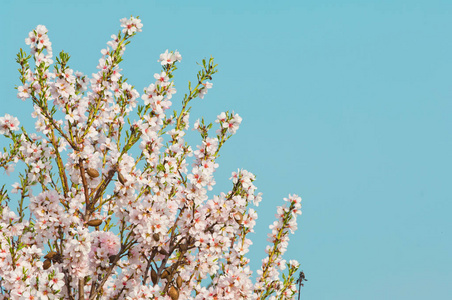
x=121 y=178
x=47 y=263
x=173 y=293
x=156 y=237
x=95 y=222
x=50 y=255
x=93 y=173
x=154 y=276
x=179 y=281
x=238 y=216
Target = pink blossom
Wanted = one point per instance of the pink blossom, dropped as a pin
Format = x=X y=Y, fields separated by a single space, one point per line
x=169 y=57
x=131 y=25
x=8 y=123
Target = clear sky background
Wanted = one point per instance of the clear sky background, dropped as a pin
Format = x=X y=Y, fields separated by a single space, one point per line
x=346 y=103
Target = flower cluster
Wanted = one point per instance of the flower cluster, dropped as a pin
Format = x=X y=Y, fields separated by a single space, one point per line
x=8 y=123
x=39 y=41
x=279 y=240
x=120 y=208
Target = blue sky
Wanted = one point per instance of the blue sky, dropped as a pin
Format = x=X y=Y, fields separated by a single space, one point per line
x=346 y=103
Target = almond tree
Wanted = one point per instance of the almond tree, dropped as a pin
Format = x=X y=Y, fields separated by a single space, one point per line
x=114 y=207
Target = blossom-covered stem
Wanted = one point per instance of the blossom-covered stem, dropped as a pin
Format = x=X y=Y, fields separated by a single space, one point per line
x=23 y=195
x=274 y=253
x=226 y=120
x=53 y=124
x=60 y=165
x=202 y=76
x=172 y=229
x=99 y=190
x=136 y=134
x=289 y=288
x=85 y=188
x=13 y=150
x=93 y=208
x=5 y=162
x=23 y=59
x=116 y=58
